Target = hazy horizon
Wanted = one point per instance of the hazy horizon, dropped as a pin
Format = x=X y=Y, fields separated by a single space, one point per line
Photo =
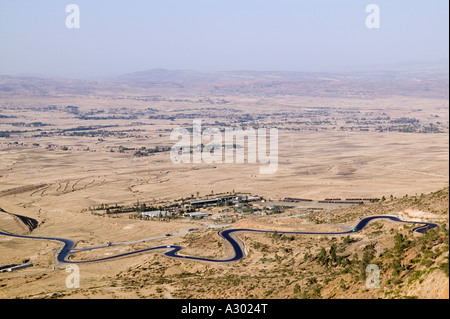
x=117 y=38
x=416 y=65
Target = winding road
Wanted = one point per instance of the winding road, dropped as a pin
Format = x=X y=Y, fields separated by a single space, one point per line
x=227 y=234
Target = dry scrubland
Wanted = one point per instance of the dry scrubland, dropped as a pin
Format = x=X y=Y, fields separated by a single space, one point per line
x=277 y=266
x=57 y=162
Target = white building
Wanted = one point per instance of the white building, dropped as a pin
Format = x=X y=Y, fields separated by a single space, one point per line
x=156 y=213
x=197 y=215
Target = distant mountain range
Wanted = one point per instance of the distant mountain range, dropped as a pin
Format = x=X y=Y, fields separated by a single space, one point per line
x=404 y=72
x=424 y=79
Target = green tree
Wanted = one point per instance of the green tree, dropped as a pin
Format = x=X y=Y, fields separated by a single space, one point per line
x=396 y=267
x=400 y=243
x=333 y=255
x=322 y=256
x=297 y=289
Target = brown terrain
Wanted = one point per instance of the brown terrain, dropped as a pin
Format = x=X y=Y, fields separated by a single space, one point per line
x=70 y=147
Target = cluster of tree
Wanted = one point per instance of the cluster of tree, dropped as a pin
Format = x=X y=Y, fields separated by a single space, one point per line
x=72 y=109
x=405 y=120
x=162 y=117
x=431 y=128
x=331 y=258
x=113 y=117
x=33 y=124
x=143 y=151
x=101 y=133
x=116 y=209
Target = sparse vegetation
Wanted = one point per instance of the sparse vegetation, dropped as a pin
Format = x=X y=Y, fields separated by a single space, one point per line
x=101 y=162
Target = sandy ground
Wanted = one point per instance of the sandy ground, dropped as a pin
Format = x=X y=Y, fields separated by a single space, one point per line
x=58 y=187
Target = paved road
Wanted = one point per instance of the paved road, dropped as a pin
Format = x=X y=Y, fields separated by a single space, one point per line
x=228 y=235
x=68 y=244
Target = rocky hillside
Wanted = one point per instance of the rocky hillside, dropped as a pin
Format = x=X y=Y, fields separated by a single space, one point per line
x=385 y=260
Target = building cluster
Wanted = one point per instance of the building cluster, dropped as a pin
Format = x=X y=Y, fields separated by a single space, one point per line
x=236 y=201
x=350 y=201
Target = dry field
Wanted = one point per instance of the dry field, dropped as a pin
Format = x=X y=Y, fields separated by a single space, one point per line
x=55 y=176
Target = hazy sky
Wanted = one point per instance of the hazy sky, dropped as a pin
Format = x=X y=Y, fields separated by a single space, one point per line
x=117 y=37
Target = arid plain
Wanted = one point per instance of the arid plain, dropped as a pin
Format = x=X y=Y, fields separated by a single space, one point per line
x=68 y=148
